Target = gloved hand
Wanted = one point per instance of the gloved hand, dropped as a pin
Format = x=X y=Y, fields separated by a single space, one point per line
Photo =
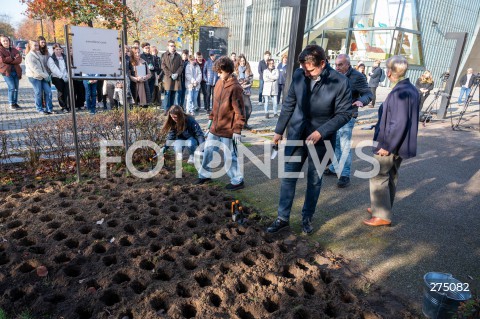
x=236 y=138
x=174 y=76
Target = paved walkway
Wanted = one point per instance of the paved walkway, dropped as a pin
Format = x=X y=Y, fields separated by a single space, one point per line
x=435 y=226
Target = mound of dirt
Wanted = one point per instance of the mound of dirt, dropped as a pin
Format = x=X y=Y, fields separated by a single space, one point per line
x=161 y=248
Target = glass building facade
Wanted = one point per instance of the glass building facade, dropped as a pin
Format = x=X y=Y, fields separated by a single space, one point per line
x=367 y=30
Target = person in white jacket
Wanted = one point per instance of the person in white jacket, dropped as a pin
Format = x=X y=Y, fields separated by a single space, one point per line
x=57 y=64
x=39 y=77
x=193 y=77
x=270 y=87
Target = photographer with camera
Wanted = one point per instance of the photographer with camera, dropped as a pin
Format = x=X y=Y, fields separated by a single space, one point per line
x=466 y=81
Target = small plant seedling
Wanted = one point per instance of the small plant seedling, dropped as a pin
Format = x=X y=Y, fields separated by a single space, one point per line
x=3 y=314
x=26 y=315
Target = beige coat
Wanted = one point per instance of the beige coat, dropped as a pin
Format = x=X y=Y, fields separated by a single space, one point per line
x=169 y=67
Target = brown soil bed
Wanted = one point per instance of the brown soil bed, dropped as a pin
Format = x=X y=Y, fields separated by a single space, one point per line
x=164 y=249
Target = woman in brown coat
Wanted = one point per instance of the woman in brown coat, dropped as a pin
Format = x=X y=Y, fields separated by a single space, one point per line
x=10 y=60
x=139 y=74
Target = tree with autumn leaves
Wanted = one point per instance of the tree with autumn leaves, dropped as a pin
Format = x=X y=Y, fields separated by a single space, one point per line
x=109 y=13
x=185 y=16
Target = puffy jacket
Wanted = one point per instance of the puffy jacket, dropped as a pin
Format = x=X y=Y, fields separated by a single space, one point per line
x=228 y=112
x=193 y=74
x=9 y=58
x=192 y=129
x=35 y=67
x=375 y=76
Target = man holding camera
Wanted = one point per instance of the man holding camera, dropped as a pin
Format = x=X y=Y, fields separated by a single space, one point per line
x=172 y=66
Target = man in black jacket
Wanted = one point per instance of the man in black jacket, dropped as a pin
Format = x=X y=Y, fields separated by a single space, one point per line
x=361 y=96
x=396 y=135
x=152 y=64
x=262 y=66
x=374 y=81
x=466 y=81
x=319 y=102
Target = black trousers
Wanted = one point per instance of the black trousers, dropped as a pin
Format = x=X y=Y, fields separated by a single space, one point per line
x=248 y=107
x=208 y=96
x=279 y=95
x=62 y=93
x=374 y=92
x=79 y=91
x=203 y=90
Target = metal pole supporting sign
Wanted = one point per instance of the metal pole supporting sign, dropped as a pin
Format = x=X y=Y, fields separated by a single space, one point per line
x=91 y=66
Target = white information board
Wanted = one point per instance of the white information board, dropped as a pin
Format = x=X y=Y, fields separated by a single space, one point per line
x=95 y=51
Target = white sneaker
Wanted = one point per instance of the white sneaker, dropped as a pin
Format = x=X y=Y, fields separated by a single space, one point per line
x=191 y=159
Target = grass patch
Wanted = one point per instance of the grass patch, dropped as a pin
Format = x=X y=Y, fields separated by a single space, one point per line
x=189 y=168
x=246 y=144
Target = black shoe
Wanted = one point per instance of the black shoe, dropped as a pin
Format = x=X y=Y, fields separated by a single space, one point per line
x=47 y=113
x=343 y=181
x=328 y=172
x=275 y=115
x=232 y=187
x=12 y=107
x=277 y=225
x=267 y=115
x=307 y=228
x=247 y=127
x=201 y=181
x=17 y=106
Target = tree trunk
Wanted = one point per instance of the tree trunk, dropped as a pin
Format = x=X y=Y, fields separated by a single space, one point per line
x=54 y=33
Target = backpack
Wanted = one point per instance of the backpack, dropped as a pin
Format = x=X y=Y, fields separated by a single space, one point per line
x=383 y=76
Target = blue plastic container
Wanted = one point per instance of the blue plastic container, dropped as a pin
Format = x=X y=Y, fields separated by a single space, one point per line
x=440 y=303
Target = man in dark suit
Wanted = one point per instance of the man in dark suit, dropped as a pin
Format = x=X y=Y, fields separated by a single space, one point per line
x=319 y=102
x=361 y=96
x=396 y=135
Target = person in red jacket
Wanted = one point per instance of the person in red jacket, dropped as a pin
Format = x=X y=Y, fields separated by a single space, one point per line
x=10 y=60
x=225 y=126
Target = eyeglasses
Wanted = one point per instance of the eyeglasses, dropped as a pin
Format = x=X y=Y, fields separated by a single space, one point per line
x=171 y=45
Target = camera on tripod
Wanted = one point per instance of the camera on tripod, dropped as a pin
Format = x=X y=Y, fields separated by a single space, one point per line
x=476 y=79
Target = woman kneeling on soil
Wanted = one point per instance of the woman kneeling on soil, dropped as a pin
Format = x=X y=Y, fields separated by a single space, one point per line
x=181 y=127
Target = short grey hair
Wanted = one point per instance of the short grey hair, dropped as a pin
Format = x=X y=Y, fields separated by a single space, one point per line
x=398 y=65
x=346 y=56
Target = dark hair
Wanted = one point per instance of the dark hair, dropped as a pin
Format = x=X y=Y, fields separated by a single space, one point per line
x=248 y=69
x=43 y=50
x=267 y=52
x=136 y=41
x=170 y=124
x=185 y=51
x=233 y=53
x=313 y=54
x=199 y=53
x=224 y=63
x=171 y=41
x=57 y=45
x=144 y=44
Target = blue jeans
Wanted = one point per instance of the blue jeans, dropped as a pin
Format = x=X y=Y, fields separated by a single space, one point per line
x=463 y=90
x=234 y=172
x=192 y=100
x=12 y=83
x=191 y=144
x=273 y=98
x=39 y=88
x=342 y=146
x=90 y=95
x=314 y=184
x=169 y=100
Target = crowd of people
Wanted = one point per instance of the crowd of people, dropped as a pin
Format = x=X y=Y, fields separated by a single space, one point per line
x=322 y=105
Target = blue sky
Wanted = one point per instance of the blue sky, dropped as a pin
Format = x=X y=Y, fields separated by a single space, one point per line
x=14 y=9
